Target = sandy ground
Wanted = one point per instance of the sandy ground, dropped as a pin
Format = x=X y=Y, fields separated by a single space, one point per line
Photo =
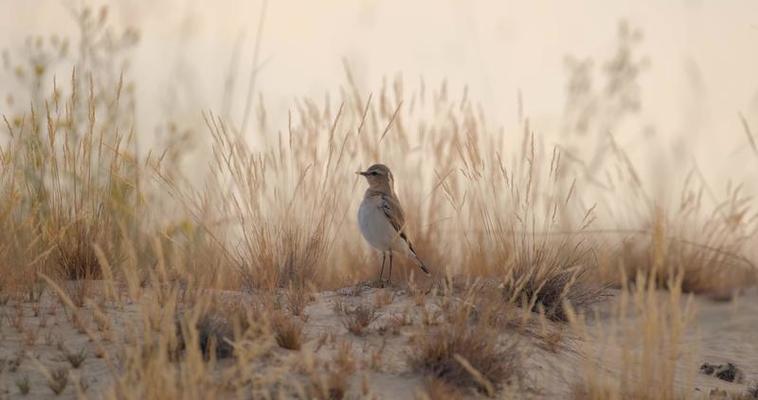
x=35 y=338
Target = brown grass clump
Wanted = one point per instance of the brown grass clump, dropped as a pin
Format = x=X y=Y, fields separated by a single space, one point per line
x=709 y=257
x=546 y=277
x=467 y=355
x=296 y=299
x=23 y=385
x=288 y=331
x=215 y=334
x=358 y=319
x=76 y=257
x=58 y=380
x=74 y=358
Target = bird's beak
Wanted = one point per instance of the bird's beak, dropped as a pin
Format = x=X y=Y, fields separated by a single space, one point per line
x=361 y=173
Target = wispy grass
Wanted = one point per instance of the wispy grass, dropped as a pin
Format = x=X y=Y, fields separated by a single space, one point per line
x=648 y=327
x=273 y=216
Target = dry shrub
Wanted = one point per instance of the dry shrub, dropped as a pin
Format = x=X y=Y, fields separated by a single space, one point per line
x=467 y=354
x=288 y=331
x=278 y=230
x=709 y=255
x=58 y=380
x=706 y=240
x=215 y=335
x=76 y=178
x=76 y=257
x=74 y=358
x=551 y=274
x=296 y=299
x=23 y=385
x=524 y=226
x=281 y=253
x=358 y=319
x=219 y=323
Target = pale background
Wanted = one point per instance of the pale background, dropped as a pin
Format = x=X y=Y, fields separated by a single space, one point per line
x=703 y=58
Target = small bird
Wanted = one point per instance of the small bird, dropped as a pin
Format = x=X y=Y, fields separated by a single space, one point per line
x=381 y=218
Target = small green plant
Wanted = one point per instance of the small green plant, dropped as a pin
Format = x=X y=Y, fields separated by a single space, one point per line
x=58 y=380
x=23 y=385
x=75 y=358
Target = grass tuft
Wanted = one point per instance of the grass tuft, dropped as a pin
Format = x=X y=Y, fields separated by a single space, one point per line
x=288 y=332
x=467 y=356
x=358 y=319
x=58 y=380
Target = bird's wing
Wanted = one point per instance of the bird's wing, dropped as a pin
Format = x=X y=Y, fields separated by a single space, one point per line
x=394 y=213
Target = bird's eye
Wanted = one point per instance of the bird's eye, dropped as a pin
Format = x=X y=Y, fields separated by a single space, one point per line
x=374 y=173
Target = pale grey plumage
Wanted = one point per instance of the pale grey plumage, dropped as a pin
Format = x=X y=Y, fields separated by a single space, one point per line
x=381 y=218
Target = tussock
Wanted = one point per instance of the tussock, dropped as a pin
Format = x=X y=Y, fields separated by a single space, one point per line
x=467 y=357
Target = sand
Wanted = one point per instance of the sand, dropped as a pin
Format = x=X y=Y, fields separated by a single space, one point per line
x=33 y=339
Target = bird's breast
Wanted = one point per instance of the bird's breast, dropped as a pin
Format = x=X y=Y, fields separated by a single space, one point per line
x=374 y=225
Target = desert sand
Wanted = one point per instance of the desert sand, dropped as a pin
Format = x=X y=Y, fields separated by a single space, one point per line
x=36 y=339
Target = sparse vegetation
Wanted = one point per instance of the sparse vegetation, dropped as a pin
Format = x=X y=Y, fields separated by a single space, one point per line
x=167 y=270
x=74 y=358
x=358 y=319
x=652 y=345
x=467 y=357
x=23 y=385
x=288 y=332
x=58 y=380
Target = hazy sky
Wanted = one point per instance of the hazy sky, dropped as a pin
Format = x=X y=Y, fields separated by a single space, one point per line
x=703 y=54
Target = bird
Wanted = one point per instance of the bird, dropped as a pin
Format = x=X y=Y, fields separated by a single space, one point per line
x=381 y=219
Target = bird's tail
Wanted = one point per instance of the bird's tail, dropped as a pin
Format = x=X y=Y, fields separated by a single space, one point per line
x=417 y=260
x=422 y=266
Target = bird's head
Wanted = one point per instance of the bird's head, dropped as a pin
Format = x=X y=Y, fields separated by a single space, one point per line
x=378 y=176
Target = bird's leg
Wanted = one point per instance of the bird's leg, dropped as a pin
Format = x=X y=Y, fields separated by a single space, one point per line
x=389 y=278
x=382 y=271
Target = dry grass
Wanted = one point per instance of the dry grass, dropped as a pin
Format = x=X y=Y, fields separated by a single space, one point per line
x=358 y=319
x=652 y=328
x=547 y=277
x=58 y=380
x=468 y=355
x=288 y=332
x=79 y=200
x=23 y=385
x=74 y=358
